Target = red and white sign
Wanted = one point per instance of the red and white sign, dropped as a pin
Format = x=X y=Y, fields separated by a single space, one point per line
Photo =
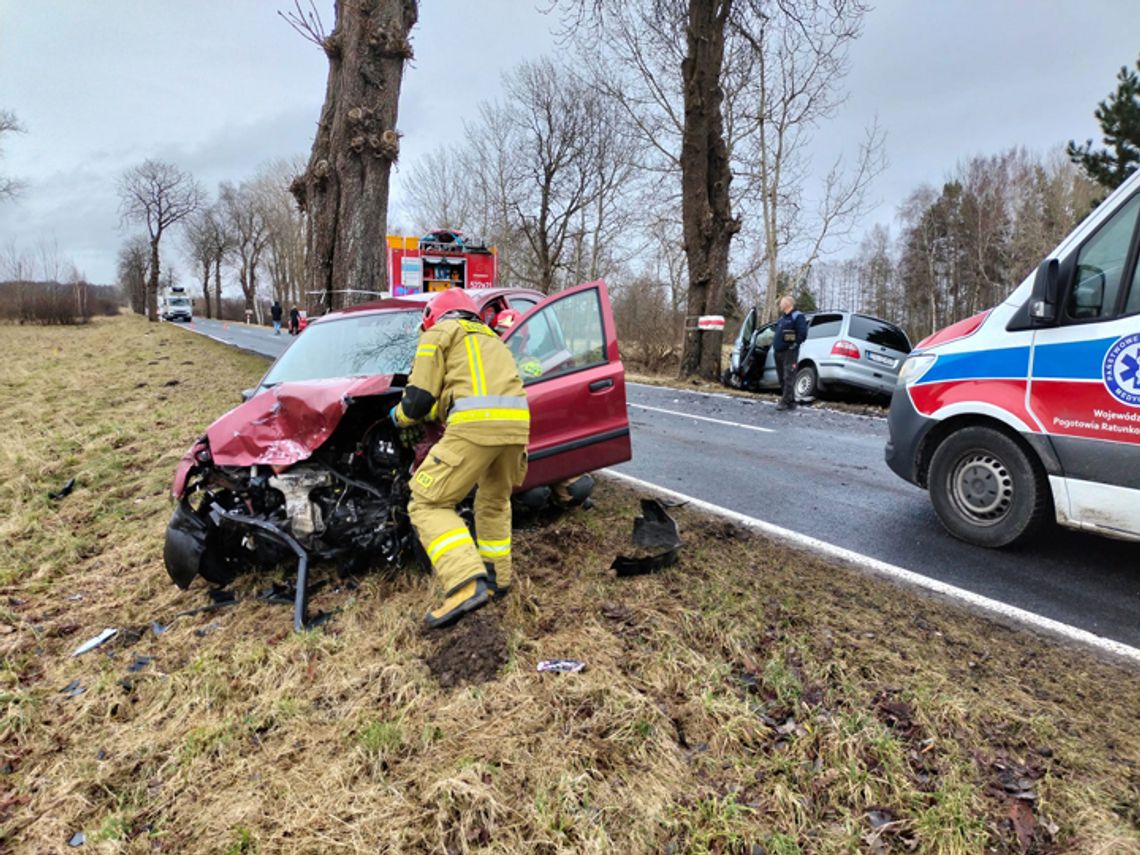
x=710 y=322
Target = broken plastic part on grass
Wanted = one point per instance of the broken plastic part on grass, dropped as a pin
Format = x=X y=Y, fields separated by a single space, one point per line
x=561 y=666
x=73 y=689
x=139 y=662
x=91 y=643
x=76 y=840
x=655 y=529
x=63 y=491
x=626 y=566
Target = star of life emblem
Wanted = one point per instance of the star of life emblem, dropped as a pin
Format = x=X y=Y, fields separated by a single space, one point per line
x=1122 y=370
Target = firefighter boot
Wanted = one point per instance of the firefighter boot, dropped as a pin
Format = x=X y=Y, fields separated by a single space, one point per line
x=497 y=591
x=468 y=598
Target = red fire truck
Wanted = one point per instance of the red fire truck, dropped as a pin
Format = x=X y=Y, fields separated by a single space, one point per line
x=439 y=260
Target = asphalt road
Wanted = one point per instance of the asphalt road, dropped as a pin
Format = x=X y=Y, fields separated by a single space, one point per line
x=821 y=473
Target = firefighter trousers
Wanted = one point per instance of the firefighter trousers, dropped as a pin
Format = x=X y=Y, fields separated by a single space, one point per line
x=451 y=469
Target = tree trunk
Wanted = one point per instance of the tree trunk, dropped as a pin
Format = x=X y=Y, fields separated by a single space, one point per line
x=218 y=284
x=706 y=211
x=206 y=287
x=344 y=190
x=152 y=284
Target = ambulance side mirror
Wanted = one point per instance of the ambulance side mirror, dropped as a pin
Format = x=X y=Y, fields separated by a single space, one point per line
x=1043 y=300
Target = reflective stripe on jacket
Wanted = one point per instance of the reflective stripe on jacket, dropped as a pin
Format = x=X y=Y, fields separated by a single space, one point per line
x=473 y=379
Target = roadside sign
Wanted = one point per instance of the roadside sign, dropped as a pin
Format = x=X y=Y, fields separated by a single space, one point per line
x=710 y=322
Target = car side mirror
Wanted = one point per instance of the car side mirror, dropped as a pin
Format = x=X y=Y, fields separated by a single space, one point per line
x=246 y=394
x=1043 y=299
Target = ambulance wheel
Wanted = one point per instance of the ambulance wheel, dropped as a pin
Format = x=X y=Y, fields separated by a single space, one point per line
x=986 y=489
x=806 y=383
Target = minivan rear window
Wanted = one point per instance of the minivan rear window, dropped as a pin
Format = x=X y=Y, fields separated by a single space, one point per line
x=878 y=332
x=825 y=326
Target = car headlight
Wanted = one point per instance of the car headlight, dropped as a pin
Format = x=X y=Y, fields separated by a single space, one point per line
x=914 y=367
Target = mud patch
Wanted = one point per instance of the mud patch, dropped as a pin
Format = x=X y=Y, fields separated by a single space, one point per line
x=470 y=652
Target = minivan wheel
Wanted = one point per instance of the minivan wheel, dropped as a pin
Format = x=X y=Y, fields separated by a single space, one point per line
x=729 y=378
x=986 y=489
x=806 y=383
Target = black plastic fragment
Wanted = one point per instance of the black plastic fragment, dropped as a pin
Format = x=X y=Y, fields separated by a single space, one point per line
x=65 y=490
x=626 y=566
x=139 y=662
x=655 y=529
x=73 y=689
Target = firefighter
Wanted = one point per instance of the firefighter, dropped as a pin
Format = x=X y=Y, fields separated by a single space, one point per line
x=464 y=375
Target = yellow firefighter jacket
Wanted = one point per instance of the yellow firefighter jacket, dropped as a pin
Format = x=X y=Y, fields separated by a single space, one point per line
x=465 y=375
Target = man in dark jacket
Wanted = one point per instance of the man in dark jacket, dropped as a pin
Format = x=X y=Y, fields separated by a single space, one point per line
x=294 y=321
x=791 y=330
x=275 y=313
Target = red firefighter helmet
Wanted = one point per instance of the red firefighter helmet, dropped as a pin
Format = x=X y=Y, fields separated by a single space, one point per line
x=451 y=300
x=505 y=321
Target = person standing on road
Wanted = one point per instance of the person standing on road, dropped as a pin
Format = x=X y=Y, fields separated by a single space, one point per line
x=791 y=330
x=464 y=375
x=275 y=313
x=294 y=321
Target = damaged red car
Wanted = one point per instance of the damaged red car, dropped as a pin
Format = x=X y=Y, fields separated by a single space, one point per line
x=309 y=468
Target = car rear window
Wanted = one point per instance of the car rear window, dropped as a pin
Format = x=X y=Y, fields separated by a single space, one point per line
x=878 y=332
x=825 y=326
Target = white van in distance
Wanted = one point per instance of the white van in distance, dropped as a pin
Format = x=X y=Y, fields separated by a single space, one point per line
x=1031 y=410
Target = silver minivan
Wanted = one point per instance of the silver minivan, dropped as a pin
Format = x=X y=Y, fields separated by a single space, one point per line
x=843 y=349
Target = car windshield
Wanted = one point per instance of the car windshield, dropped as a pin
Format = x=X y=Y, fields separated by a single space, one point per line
x=354 y=346
x=179 y=301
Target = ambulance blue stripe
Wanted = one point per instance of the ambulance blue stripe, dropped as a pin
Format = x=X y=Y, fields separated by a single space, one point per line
x=1071 y=360
x=980 y=364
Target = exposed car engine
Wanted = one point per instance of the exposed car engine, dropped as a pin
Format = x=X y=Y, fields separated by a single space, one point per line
x=347 y=500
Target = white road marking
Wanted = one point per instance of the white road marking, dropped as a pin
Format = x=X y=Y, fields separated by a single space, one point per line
x=909 y=577
x=815 y=407
x=702 y=418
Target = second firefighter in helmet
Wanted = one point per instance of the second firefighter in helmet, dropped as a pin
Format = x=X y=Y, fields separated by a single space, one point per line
x=465 y=376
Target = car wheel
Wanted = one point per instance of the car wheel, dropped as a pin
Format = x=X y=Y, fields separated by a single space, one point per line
x=806 y=383
x=728 y=378
x=986 y=489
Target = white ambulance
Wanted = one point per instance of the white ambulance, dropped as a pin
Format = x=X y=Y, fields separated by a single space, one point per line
x=1032 y=409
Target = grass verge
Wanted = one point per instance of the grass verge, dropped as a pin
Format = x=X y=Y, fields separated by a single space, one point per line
x=751 y=699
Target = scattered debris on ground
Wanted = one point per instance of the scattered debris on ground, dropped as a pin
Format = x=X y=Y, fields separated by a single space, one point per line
x=750 y=698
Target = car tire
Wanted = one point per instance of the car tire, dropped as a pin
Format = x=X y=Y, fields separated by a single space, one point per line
x=986 y=489
x=806 y=382
x=728 y=378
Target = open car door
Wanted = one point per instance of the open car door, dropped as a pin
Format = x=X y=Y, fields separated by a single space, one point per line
x=567 y=352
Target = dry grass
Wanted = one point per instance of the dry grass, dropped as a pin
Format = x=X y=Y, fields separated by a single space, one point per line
x=751 y=699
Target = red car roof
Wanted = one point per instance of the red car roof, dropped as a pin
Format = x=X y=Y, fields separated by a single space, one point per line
x=481 y=296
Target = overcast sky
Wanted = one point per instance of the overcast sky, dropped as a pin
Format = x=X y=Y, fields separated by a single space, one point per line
x=222 y=86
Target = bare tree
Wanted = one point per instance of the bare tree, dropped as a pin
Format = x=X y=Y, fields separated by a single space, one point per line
x=9 y=187
x=800 y=58
x=671 y=48
x=158 y=195
x=443 y=196
x=284 y=257
x=344 y=190
x=245 y=218
x=133 y=262
x=199 y=240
